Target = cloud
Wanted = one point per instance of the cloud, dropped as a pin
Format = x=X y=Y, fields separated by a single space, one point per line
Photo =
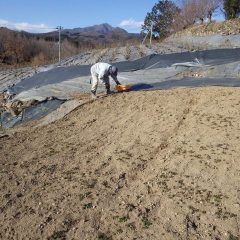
x=130 y=24
x=24 y=26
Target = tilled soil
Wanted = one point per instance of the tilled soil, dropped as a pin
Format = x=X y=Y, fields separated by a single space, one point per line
x=138 y=165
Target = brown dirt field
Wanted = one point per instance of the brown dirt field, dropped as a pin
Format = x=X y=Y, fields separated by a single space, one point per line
x=137 y=165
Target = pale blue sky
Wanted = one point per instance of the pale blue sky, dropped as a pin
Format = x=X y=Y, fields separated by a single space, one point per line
x=74 y=13
x=32 y=15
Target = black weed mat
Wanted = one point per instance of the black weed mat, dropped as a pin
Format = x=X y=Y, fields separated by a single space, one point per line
x=32 y=113
x=187 y=82
x=60 y=74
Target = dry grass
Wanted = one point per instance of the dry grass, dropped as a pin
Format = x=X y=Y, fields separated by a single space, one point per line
x=127 y=53
x=225 y=28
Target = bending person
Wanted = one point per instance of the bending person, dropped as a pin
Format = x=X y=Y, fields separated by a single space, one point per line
x=101 y=72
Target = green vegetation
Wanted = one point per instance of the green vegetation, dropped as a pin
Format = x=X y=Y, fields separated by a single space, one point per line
x=232 y=237
x=167 y=17
x=146 y=222
x=103 y=236
x=231 y=8
x=161 y=17
x=88 y=205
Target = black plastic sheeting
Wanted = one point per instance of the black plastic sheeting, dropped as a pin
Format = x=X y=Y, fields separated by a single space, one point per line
x=30 y=113
x=187 y=82
x=208 y=57
x=44 y=108
x=60 y=74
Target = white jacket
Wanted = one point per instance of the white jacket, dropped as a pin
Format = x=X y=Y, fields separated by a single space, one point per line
x=101 y=70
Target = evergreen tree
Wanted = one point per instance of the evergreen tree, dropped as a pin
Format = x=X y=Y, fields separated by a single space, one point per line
x=161 y=17
x=231 y=8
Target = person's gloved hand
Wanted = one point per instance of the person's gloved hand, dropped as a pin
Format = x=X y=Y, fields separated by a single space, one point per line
x=118 y=83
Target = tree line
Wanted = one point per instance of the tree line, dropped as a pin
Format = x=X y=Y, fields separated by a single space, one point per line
x=169 y=16
x=21 y=48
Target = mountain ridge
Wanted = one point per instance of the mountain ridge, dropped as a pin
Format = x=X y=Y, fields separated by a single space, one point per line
x=99 y=28
x=97 y=34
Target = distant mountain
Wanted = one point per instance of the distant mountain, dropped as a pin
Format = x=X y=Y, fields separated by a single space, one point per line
x=101 y=29
x=97 y=34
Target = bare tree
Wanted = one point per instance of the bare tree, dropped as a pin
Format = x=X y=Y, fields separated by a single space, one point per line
x=212 y=6
x=187 y=16
x=231 y=9
x=193 y=11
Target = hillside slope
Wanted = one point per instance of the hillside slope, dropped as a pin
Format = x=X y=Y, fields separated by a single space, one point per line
x=111 y=55
x=138 y=165
x=224 y=34
x=200 y=37
x=228 y=27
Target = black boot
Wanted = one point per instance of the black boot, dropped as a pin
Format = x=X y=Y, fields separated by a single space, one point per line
x=93 y=94
x=108 y=91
